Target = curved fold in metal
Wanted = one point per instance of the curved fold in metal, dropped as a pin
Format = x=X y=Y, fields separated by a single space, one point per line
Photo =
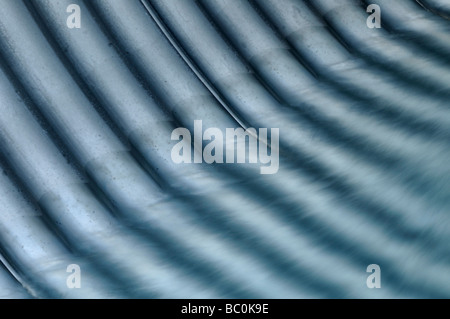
x=87 y=177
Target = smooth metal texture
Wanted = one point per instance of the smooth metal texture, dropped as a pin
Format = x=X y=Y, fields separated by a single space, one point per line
x=86 y=117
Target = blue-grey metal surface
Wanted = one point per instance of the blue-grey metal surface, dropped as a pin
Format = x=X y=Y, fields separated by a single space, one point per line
x=86 y=117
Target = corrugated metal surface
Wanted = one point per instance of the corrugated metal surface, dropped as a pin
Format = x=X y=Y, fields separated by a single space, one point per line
x=85 y=140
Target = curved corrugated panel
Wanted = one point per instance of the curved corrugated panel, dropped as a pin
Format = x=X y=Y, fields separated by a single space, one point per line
x=86 y=120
